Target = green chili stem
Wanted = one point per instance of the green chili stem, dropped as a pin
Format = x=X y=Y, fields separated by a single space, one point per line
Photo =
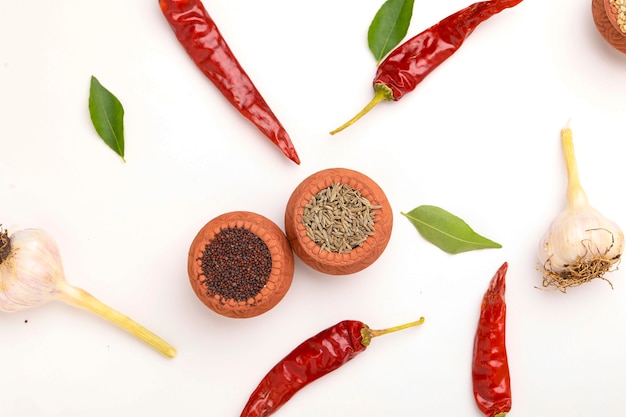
x=381 y=93
x=368 y=333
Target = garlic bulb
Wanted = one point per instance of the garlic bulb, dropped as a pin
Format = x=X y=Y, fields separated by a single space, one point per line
x=581 y=243
x=31 y=274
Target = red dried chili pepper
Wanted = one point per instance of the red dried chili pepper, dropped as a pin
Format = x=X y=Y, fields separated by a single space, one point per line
x=199 y=35
x=490 y=366
x=312 y=359
x=408 y=64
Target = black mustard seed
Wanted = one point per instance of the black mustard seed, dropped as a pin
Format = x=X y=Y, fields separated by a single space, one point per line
x=236 y=264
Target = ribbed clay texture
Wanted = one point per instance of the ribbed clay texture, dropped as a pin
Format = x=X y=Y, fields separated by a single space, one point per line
x=282 y=262
x=604 y=17
x=335 y=263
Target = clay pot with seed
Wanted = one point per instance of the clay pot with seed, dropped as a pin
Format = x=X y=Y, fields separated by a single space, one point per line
x=610 y=19
x=240 y=264
x=310 y=242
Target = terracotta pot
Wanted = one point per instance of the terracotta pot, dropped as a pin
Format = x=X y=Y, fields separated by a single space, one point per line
x=605 y=17
x=280 y=277
x=334 y=263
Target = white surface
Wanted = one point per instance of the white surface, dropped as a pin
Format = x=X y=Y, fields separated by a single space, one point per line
x=479 y=137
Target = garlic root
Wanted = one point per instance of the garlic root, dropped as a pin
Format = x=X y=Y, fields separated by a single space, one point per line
x=78 y=297
x=581 y=244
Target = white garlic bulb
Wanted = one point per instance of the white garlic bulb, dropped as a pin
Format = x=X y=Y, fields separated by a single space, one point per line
x=581 y=243
x=31 y=271
x=31 y=274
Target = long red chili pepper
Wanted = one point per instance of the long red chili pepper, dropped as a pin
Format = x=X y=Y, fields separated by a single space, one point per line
x=198 y=34
x=408 y=64
x=312 y=359
x=490 y=366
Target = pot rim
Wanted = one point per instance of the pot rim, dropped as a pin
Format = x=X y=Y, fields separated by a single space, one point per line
x=281 y=274
x=324 y=260
x=607 y=25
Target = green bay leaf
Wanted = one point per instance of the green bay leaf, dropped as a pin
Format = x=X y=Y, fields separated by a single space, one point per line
x=447 y=231
x=389 y=27
x=107 y=116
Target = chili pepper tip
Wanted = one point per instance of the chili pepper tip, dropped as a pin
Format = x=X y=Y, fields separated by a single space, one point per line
x=382 y=93
x=293 y=156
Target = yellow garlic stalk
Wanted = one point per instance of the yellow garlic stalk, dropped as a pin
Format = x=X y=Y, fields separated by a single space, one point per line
x=580 y=244
x=31 y=274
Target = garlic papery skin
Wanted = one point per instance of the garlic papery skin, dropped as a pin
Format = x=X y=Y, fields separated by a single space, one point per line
x=581 y=243
x=31 y=271
x=31 y=274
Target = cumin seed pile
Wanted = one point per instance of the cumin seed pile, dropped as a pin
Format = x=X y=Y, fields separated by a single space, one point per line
x=338 y=218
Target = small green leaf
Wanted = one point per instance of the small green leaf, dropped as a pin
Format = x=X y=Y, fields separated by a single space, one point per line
x=446 y=231
x=107 y=116
x=389 y=27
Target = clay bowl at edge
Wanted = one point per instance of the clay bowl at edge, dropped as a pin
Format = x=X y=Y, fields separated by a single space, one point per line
x=280 y=277
x=605 y=18
x=334 y=263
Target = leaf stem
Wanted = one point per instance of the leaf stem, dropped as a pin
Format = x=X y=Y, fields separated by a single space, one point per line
x=381 y=93
x=575 y=194
x=81 y=298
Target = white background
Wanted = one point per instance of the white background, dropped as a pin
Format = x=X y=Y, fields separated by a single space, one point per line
x=479 y=137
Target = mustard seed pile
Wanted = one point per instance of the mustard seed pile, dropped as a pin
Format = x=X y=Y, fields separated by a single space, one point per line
x=339 y=218
x=236 y=264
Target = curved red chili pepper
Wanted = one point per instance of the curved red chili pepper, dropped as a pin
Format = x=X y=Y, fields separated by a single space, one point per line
x=408 y=64
x=490 y=366
x=312 y=359
x=198 y=34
